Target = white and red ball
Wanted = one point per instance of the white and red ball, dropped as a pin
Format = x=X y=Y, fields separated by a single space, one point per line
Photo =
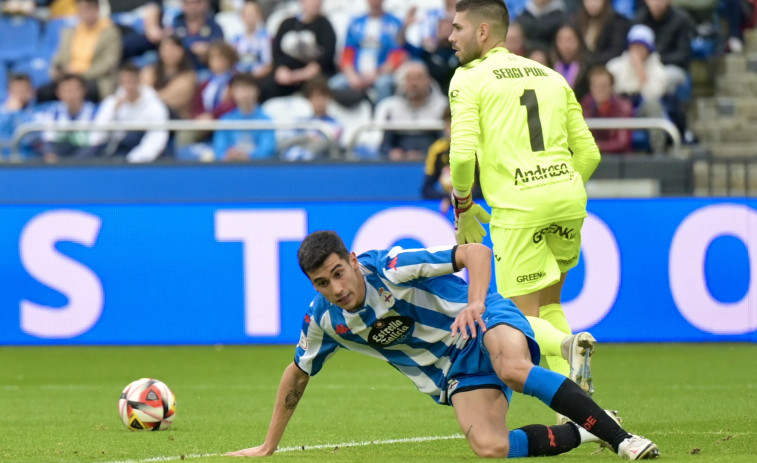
x=147 y=404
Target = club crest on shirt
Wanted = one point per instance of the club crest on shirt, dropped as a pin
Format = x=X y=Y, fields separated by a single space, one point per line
x=386 y=297
x=390 y=330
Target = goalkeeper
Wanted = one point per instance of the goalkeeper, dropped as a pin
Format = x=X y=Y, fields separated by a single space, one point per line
x=534 y=152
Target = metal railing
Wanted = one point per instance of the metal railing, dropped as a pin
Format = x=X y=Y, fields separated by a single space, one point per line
x=593 y=123
x=323 y=127
x=179 y=125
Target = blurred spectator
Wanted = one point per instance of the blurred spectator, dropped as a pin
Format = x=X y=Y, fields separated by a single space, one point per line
x=17 y=108
x=603 y=30
x=173 y=77
x=371 y=53
x=569 y=59
x=62 y=8
x=515 y=41
x=138 y=40
x=540 y=55
x=18 y=7
x=213 y=98
x=197 y=29
x=132 y=102
x=254 y=45
x=603 y=102
x=418 y=100
x=70 y=107
x=540 y=21
x=673 y=31
x=304 y=47
x=437 y=182
x=430 y=34
x=640 y=75
x=307 y=145
x=736 y=14
x=91 y=49
x=243 y=145
x=438 y=56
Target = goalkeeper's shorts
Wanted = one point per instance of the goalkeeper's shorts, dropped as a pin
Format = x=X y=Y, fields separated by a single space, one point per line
x=472 y=368
x=530 y=259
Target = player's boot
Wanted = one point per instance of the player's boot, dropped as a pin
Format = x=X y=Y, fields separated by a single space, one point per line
x=577 y=350
x=638 y=448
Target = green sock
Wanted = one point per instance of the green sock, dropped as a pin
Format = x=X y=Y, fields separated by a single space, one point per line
x=547 y=336
x=554 y=314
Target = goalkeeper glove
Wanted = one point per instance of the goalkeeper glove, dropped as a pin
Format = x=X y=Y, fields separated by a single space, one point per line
x=468 y=219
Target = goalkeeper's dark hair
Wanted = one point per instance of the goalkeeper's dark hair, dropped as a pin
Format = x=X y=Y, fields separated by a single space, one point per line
x=488 y=10
x=317 y=246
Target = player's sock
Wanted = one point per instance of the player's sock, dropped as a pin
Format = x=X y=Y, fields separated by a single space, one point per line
x=564 y=396
x=536 y=440
x=547 y=336
x=554 y=314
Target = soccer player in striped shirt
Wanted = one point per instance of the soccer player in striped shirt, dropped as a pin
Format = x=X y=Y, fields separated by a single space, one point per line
x=521 y=122
x=459 y=343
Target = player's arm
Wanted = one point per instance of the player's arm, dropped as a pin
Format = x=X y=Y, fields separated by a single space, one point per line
x=291 y=388
x=465 y=132
x=477 y=259
x=586 y=155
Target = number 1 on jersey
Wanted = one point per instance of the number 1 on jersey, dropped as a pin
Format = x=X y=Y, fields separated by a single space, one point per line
x=528 y=99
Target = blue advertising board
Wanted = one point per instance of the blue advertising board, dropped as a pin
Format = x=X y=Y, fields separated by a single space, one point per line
x=203 y=273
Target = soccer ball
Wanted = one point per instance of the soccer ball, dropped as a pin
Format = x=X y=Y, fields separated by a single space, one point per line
x=147 y=404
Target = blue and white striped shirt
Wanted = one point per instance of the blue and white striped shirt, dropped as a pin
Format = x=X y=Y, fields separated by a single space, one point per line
x=411 y=300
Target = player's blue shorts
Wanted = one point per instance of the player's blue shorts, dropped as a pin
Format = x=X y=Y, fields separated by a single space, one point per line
x=472 y=369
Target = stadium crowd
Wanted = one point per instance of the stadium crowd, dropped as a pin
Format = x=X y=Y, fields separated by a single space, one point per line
x=344 y=63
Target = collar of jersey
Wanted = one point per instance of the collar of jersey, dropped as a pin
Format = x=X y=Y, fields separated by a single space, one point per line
x=490 y=52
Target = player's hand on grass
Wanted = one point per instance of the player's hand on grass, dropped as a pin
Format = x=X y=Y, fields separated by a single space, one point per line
x=468 y=219
x=259 y=451
x=465 y=322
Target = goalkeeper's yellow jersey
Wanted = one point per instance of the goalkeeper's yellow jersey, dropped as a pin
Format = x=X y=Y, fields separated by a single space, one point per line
x=522 y=121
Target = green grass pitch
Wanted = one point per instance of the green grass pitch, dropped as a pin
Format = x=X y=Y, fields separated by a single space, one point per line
x=698 y=402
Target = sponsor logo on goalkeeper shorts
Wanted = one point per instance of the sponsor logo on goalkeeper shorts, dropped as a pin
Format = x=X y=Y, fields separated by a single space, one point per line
x=567 y=261
x=530 y=277
x=541 y=173
x=557 y=230
x=390 y=330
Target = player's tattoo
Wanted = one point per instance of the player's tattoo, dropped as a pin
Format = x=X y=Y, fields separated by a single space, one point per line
x=467 y=433
x=292 y=399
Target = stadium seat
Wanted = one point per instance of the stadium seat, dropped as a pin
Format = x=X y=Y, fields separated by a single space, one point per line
x=130 y=19
x=278 y=16
x=51 y=35
x=3 y=82
x=19 y=37
x=38 y=70
x=231 y=23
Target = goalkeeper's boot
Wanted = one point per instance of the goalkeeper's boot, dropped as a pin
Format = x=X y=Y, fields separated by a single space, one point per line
x=577 y=350
x=638 y=448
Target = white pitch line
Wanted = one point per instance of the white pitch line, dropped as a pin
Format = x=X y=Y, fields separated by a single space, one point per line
x=304 y=447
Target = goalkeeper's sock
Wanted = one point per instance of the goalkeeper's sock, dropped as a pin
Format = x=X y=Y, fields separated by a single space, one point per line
x=548 y=337
x=565 y=397
x=536 y=440
x=554 y=314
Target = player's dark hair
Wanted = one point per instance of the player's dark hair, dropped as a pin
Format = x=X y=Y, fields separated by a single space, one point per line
x=489 y=9
x=317 y=246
